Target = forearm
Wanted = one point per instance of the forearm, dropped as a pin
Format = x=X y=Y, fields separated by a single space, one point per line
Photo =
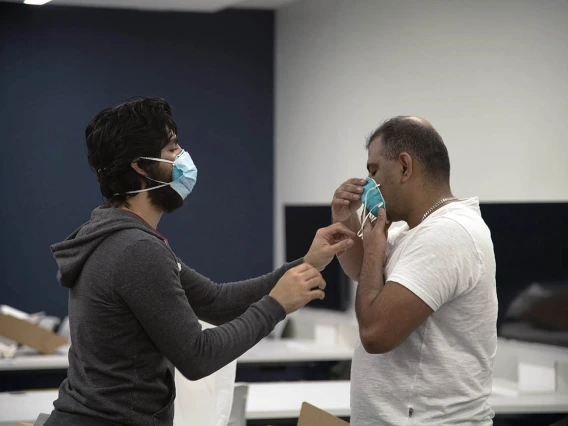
x=371 y=283
x=216 y=347
x=197 y=353
x=219 y=303
x=351 y=260
x=233 y=299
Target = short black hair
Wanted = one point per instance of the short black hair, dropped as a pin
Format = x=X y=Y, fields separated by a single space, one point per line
x=116 y=136
x=418 y=138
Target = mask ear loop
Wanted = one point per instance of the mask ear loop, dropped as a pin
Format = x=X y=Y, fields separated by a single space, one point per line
x=181 y=155
x=153 y=180
x=146 y=189
x=363 y=217
x=360 y=233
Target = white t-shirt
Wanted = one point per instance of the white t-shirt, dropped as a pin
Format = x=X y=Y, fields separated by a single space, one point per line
x=442 y=373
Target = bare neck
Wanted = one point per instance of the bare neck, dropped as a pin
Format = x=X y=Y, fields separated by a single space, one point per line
x=425 y=201
x=140 y=204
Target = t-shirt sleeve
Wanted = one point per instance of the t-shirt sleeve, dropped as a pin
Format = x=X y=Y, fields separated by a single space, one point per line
x=439 y=263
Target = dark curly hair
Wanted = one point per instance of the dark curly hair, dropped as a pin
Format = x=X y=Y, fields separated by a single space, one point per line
x=116 y=136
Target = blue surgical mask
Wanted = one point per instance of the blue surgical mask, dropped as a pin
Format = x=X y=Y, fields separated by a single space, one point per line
x=184 y=175
x=372 y=200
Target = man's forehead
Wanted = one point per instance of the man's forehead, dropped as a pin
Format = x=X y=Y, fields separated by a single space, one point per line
x=375 y=148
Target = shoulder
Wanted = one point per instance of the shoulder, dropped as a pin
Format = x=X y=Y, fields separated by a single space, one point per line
x=444 y=229
x=462 y=223
x=144 y=263
x=141 y=249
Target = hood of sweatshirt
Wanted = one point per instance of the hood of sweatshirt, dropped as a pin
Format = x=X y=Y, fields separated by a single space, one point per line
x=72 y=253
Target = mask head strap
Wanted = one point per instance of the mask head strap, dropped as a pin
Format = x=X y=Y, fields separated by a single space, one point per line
x=163 y=160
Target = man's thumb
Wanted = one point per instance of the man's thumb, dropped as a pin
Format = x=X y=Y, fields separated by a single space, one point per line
x=341 y=246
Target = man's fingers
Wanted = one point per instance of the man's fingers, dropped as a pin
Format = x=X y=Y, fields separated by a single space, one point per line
x=339 y=229
x=341 y=246
x=379 y=224
x=347 y=195
x=303 y=267
x=317 y=294
x=336 y=232
x=349 y=187
x=316 y=282
x=355 y=181
x=381 y=218
x=310 y=274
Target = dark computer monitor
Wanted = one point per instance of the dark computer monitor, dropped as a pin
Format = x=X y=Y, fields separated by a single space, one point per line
x=301 y=224
x=531 y=246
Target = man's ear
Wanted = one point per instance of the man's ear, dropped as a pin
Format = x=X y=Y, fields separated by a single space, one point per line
x=141 y=173
x=406 y=166
x=138 y=169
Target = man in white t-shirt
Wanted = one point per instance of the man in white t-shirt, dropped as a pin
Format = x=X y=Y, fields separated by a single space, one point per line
x=426 y=301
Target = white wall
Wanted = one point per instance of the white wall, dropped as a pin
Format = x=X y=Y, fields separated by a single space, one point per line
x=491 y=76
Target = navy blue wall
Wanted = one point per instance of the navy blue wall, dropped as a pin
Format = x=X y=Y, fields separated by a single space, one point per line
x=60 y=66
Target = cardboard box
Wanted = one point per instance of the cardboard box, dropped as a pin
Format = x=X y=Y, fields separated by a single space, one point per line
x=42 y=418
x=27 y=333
x=313 y=416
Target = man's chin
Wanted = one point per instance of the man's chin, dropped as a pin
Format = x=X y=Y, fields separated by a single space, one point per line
x=171 y=209
x=165 y=199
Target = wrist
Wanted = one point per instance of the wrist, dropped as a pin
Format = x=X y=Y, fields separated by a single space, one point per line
x=374 y=250
x=375 y=255
x=311 y=261
x=372 y=267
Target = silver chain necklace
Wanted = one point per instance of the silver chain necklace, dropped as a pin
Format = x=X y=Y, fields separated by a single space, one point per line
x=439 y=203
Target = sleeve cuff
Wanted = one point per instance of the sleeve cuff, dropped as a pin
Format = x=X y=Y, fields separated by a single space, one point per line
x=290 y=265
x=274 y=308
x=417 y=290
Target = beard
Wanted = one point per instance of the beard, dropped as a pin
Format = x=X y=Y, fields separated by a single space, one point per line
x=165 y=198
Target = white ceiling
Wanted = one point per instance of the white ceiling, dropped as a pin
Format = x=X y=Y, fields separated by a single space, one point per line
x=172 y=5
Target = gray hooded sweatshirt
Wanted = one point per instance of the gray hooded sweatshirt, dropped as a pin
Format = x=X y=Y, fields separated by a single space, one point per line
x=134 y=310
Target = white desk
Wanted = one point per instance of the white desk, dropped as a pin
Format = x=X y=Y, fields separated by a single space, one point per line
x=35 y=362
x=25 y=406
x=294 y=350
x=283 y=400
x=266 y=351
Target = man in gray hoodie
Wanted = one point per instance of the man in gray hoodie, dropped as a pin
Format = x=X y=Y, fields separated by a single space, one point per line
x=133 y=305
